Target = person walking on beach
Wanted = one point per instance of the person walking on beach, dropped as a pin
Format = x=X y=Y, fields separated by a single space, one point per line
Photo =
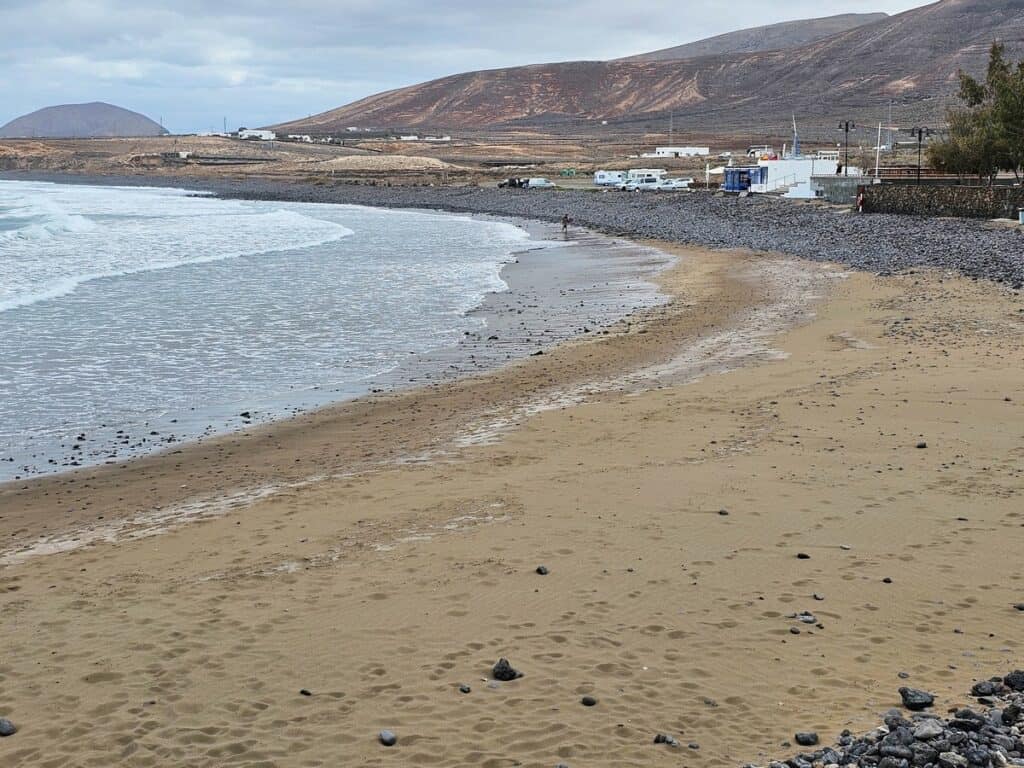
x=565 y=223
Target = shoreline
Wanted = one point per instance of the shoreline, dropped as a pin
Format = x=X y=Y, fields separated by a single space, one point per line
x=553 y=294
x=884 y=244
x=648 y=354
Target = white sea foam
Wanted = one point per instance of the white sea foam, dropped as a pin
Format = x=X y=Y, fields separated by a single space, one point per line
x=147 y=309
x=57 y=238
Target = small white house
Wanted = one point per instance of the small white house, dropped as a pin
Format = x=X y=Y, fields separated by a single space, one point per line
x=304 y=138
x=437 y=138
x=793 y=175
x=679 y=152
x=410 y=137
x=246 y=133
x=609 y=178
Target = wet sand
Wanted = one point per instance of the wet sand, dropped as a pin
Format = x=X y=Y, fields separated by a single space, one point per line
x=668 y=474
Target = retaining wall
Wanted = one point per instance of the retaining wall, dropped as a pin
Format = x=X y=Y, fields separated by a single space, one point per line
x=946 y=200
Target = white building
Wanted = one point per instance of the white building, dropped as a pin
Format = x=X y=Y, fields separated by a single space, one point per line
x=437 y=138
x=410 y=137
x=246 y=133
x=793 y=175
x=678 y=152
x=301 y=137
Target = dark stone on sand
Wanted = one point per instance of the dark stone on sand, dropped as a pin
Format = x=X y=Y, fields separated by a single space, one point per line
x=464 y=688
x=305 y=692
x=887 y=580
x=794 y=631
x=7 y=728
x=1011 y=714
x=588 y=701
x=1019 y=606
x=806 y=738
x=693 y=745
x=542 y=570
x=985 y=688
x=723 y=512
x=803 y=556
x=388 y=739
x=504 y=671
x=1015 y=680
x=915 y=699
x=245 y=415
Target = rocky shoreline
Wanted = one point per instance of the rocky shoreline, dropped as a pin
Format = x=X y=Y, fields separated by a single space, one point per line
x=880 y=243
x=991 y=737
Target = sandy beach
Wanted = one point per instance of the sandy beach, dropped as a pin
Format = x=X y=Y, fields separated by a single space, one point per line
x=780 y=429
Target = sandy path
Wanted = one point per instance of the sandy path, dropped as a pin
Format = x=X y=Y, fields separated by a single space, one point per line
x=380 y=584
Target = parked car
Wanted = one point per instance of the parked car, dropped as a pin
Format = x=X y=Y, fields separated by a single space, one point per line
x=673 y=185
x=641 y=184
x=512 y=183
x=725 y=156
x=540 y=183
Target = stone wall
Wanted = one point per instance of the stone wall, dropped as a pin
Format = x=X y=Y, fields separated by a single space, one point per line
x=945 y=200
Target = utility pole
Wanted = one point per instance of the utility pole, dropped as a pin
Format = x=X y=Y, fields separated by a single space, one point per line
x=920 y=134
x=889 y=142
x=671 y=126
x=846 y=126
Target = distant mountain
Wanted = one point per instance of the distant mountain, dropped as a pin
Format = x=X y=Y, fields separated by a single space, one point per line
x=774 y=37
x=911 y=58
x=81 y=121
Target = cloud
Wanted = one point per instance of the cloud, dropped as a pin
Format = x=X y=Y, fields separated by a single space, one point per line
x=264 y=61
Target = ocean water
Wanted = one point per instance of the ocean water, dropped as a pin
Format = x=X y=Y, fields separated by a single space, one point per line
x=130 y=317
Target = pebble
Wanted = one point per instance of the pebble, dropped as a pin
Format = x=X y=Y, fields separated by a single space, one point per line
x=305 y=692
x=465 y=688
x=806 y=738
x=542 y=570
x=388 y=739
x=922 y=445
x=802 y=556
x=7 y=728
x=588 y=701
x=504 y=671
x=915 y=699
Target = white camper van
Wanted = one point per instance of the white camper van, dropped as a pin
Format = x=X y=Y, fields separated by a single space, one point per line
x=609 y=178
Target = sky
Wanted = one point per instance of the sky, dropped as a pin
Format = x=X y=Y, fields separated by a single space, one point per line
x=192 y=63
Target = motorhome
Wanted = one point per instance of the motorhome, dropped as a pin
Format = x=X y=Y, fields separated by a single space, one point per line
x=636 y=173
x=609 y=178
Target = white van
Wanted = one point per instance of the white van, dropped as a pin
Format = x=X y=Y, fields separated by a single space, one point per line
x=540 y=183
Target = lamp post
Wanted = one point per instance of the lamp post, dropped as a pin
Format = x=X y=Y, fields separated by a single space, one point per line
x=846 y=126
x=920 y=134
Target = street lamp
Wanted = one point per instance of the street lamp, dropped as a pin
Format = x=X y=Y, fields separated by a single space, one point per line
x=846 y=126
x=920 y=134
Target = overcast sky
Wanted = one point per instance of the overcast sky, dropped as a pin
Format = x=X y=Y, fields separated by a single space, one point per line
x=257 y=62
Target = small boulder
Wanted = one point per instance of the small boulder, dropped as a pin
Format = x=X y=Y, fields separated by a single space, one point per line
x=542 y=570
x=1015 y=680
x=505 y=672
x=915 y=699
x=806 y=738
x=588 y=701
x=928 y=730
x=7 y=728
x=388 y=739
